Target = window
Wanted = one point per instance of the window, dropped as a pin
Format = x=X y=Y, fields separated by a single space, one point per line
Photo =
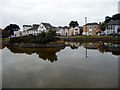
x=90 y=32
x=76 y=33
x=85 y=27
x=76 y=29
x=111 y=27
x=95 y=27
x=94 y=32
x=90 y=27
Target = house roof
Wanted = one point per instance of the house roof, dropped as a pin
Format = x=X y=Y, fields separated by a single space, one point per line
x=91 y=24
x=47 y=25
x=31 y=29
x=27 y=26
x=114 y=22
x=65 y=27
x=35 y=26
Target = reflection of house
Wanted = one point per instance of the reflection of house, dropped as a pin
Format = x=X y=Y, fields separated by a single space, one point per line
x=113 y=27
x=90 y=29
x=73 y=45
x=92 y=45
x=110 y=47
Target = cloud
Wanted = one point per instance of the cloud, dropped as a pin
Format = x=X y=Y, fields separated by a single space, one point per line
x=56 y=12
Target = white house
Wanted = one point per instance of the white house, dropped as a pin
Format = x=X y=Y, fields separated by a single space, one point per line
x=44 y=27
x=34 y=30
x=58 y=30
x=113 y=27
x=26 y=27
x=76 y=30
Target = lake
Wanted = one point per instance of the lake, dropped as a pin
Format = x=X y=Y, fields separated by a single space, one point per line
x=77 y=65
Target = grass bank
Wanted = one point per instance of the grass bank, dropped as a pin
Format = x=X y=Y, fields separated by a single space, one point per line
x=89 y=38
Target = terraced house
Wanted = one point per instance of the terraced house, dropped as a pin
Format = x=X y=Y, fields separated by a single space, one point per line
x=70 y=31
x=91 y=29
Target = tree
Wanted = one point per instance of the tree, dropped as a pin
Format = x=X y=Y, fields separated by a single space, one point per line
x=11 y=28
x=102 y=26
x=73 y=24
x=107 y=19
x=116 y=17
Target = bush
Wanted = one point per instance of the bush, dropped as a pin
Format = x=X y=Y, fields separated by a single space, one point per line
x=42 y=38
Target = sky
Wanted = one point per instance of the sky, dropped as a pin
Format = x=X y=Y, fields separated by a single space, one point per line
x=55 y=12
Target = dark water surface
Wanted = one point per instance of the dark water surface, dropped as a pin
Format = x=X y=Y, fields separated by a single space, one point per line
x=77 y=65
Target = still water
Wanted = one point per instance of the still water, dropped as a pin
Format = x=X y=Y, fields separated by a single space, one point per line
x=77 y=65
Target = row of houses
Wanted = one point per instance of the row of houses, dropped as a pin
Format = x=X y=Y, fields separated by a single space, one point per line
x=90 y=29
x=35 y=29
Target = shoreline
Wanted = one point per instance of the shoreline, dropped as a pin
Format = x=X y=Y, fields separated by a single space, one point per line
x=90 y=38
x=37 y=45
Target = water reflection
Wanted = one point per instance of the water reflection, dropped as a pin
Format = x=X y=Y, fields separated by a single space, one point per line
x=50 y=53
x=112 y=47
x=44 y=53
x=72 y=69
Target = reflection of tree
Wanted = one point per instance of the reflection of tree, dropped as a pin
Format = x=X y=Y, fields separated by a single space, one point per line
x=73 y=47
x=115 y=50
x=44 y=53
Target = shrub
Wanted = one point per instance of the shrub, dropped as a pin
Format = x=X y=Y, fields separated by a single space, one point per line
x=42 y=38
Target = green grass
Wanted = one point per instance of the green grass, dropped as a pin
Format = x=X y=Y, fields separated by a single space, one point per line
x=82 y=36
x=6 y=38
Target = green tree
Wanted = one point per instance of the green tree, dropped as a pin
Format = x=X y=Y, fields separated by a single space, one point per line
x=107 y=19
x=73 y=24
x=11 y=28
x=102 y=26
x=116 y=17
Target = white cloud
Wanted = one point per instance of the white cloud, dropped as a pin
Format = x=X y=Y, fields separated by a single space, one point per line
x=56 y=12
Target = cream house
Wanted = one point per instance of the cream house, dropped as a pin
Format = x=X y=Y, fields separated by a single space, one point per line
x=69 y=31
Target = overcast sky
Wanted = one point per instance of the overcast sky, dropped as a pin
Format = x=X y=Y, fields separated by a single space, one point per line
x=55 y=12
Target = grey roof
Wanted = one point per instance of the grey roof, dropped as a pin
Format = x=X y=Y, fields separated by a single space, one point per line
x=65 y=27
x=31 y=29
x=47 y=25
x=53 y=27
x=92 y=24
x=35 y=26
x=57 y=28
x=27 y=26
x=114 y=22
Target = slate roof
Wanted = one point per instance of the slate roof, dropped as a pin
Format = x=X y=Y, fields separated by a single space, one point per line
x=114 y=22
x=27 y=26
x=35 y=26
x=47 y=25
x=65 y=27
x=91 y=24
